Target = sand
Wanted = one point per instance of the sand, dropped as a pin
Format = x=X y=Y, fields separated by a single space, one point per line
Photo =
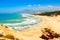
x=34 y=32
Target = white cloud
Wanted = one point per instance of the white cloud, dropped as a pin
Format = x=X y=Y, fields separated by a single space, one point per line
x=31 y=8
x=50 y=6
x=29 y=5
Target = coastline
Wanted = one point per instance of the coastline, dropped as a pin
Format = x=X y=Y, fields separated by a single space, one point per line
x=34 y=32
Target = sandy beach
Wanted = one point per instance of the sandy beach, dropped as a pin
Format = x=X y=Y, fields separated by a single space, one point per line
x=34 y=32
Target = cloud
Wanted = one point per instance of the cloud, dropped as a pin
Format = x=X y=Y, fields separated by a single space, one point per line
x=31 y=8
x=29 y=5
x=50 y=6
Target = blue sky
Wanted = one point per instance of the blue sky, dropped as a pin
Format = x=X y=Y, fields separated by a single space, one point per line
x=22 y=5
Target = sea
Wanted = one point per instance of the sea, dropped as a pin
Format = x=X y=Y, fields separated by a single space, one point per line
x=18 y=21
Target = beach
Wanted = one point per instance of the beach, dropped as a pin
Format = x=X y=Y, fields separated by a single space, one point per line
x=34 y=32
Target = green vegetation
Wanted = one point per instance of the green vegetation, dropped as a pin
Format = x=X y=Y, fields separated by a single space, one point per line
x=49 y=13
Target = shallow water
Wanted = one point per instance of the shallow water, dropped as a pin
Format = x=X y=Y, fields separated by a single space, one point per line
x=18 y=21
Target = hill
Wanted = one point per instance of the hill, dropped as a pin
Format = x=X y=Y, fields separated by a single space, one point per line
x=49 y=13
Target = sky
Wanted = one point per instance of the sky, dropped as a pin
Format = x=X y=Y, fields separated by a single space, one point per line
x=26 y=6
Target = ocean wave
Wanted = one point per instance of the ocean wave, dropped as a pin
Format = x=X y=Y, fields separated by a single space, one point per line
x=29 y=21
x=26 y=22
x=17 y=26
x=25 y=15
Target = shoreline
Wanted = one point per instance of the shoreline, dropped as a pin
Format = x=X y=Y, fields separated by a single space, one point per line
x=34 y=32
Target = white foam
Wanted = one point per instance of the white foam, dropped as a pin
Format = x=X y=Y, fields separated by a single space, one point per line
x=27 y=22
x=25 y=15
x=20 y=28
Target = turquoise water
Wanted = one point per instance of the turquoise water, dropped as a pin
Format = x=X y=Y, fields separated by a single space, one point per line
x=18 y=21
